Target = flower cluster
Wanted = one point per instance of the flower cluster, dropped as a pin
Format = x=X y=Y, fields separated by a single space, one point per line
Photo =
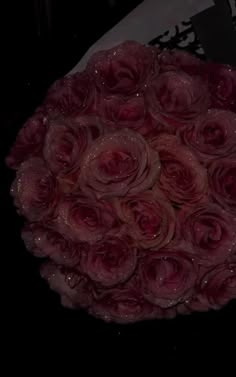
x=126 y=176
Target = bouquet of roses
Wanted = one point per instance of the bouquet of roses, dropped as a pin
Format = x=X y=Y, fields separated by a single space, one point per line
x=126 y=176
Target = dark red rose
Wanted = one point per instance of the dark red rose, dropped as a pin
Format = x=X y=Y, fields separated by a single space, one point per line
x=44 y=242
x=34 y=190
x=72 y=95
x=210 y=230
x=168 y=276
x=175 y=98
x=119 y=112
x=84 y=219
x=29 y=140
x=183 y=179
x=149 y=216
x=124 y=69
x=222 y=84
x=212 y=135
x=119 y=163
x=111 y=261
x=222 y=179
x=124 y=304
x=170 y=60
x=218 y=286
x=76 y=290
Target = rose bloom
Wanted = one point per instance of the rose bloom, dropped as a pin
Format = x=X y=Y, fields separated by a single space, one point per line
x=44 y=242
x=149 y=216
x=76 y=290
x=212 y=135
x=85 y=219
x=34 y=190
x=168 y=276
x=71 y=95
x=123 y=304
x=210 y=230
x=175 y=60
x=222 y=84
x=118 y=112
x=110 y=261
x=182 y=178
x=218 y=286
x=175 y=98
x=124 y=69
x=119 y=163
x=222 y=179
x=29 y=140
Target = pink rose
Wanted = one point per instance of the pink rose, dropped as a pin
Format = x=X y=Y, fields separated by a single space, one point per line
x=212 y=135
x=119 y=163
x=168 y=276
x=175 y=98
x=222 y=84
x=210 y=230
x=72 y=95
x=170 y=60
x=34 y=190
x=84 y=219
x=124 y=69
x=29 y=140
x=124 y=304
x=76 y=290
x=218 y=286
x=111 y=261
x=149 y=216
x=183 y=179
x=44 y=242
x=119 y=112
x=65 y=144
x=222 y=179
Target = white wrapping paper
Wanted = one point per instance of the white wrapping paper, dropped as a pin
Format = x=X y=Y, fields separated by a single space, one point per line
x=147 y=21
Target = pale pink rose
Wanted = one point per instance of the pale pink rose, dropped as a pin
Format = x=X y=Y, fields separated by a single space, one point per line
x=117 y=164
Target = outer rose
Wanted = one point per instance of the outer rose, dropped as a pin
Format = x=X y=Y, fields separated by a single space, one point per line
x=76 y=290
x=35 y=190
x=111 y=261
x=29 y=140
x=170 y=60
x=212 y=135
x=222 y=83
x=219 y=286
x=124 y=69
x=124 y=304
x=222 y=179
x=149 y=216
x=119 y=163
x=71 y=95
x=168 y=276
x=182 y=178
x=210 y=231
x=44 y=242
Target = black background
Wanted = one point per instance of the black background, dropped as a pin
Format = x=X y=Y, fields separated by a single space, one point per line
x=33 y=55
